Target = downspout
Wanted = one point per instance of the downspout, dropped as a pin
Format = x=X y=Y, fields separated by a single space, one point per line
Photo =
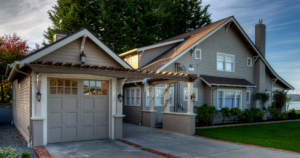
x=30 y=105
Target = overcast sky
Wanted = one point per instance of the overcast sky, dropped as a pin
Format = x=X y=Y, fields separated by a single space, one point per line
x=29 y=19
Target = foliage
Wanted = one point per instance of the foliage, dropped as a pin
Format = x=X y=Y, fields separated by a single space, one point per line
x=283 y=135
x=126 y=24
x=292 y=115
x=247 y=116
x=11 y=48
x=8 y=153
x=274 y=112
x=25 y=155
x=279 y=98
x=235 y=112
x=263 y=97
x=225 y=113
x=284 y=116
x=206 y=114
x=258 y=114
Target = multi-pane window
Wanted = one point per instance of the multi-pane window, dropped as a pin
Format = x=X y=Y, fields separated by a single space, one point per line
x=248 y=97
x=63 y=86
x=132 y=96
x=229 y=98
x=159 y=97
x=185 y=96
x=225 y=62
x=95 y=87
x=249 y=61
x=198 y=54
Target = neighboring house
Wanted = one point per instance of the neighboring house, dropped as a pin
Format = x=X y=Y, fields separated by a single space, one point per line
x=71 y=90
x=230 y=68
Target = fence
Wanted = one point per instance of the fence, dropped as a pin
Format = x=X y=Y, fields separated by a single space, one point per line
x=5 y=112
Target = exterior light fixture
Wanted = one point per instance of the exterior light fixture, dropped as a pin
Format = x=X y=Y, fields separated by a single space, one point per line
x=38 y=96
x=193 y=97
x=82 y=57
x=120 y=97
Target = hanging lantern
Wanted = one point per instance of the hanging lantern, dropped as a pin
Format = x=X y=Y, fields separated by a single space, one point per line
x=82 y=57
x=38 y=96
x=120 y=97
x=193 y=97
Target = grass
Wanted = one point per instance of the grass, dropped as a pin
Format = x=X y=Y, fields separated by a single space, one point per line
x=284 y=135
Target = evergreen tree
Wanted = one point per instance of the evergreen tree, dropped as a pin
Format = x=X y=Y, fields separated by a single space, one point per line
x=128 y=24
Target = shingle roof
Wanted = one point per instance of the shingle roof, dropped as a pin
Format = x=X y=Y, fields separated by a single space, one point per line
x=226 y=80
x=190 y=38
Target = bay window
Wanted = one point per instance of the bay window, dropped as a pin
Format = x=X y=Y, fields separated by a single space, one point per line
x=132 y=96
x=229 y=98
x=225 y=62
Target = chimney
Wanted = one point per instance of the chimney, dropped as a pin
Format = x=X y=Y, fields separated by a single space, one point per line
x=260 y=37
x=59 y=35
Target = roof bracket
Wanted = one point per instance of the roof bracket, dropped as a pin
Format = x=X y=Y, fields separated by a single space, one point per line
x=193 y=50
x=255 y=59
x=227 y=26
x=82 y=43
x=274 y=81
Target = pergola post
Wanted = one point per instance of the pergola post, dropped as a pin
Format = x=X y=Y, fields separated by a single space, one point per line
x=190 y=105
x=167 y=99
x=151 y=96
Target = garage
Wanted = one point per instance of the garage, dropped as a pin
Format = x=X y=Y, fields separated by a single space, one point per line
x=77 y=110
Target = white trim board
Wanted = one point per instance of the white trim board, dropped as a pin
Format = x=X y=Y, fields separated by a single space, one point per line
x=232 y=19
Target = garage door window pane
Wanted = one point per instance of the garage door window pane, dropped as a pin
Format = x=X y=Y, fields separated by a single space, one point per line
x=86 y=91
x=60 y=82
x=104 y=91
x=52 y=82
x=60 y=90
x=86 y=83
x=68 y=83
x=74 y=83
x=104 y=84
x=52 y=90
x=93 y=91
x=99 y=92
x=67 y=90
x=92 y=84
x=74 y=91
x=98 y=84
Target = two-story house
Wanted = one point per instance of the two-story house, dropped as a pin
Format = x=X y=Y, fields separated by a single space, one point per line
x=231 y=69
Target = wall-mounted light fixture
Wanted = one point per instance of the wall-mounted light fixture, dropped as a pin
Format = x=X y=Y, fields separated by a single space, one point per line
x=120 y=97
x=82 y=57
x=38 y=96
x=193 y=97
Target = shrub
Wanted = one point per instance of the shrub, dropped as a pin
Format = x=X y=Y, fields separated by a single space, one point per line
x=279 y=98
x=274 y=112
x=8 y=152
x=284 y=116
x=225 y=113
x=26 y=155
x=292 y=115
x=235 y=112
x=263 y=97
x=247 y=116
x=258 y=114
x=206 y=114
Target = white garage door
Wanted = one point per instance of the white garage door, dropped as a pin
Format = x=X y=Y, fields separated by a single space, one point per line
x=77 y=110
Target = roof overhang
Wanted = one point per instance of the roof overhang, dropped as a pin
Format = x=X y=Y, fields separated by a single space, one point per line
x=151 y=47
x=226 y=85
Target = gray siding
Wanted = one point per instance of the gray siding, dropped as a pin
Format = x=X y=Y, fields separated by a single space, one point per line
x=132 y=113
x=21 y=113
x=70 y=54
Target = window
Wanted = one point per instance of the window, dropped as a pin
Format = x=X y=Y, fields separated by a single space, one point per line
x=63 y=86
x=249 y=61
x=269 y=93
x=185 y=96
x=248 y=97
x=229 y=98
x=197 y=53
x=225 y=62
x=133 y=96
x=95 y=87
x=159 y=97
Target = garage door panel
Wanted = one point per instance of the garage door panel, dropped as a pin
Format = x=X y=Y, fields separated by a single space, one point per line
x=102 y=104
x=71 y=133
x=71 y=118
x=88 y=132
x=102 y=132
x=55 y=134
x=88 y=117
x=102 y=118
x=55 y=103
x=88 y=103
x=55 y=118
x=71 y=103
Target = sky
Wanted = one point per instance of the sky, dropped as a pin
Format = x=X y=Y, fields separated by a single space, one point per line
x=29 y=19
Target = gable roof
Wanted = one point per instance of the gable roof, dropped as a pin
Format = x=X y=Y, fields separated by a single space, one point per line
x=64 y=41
x=193 y=38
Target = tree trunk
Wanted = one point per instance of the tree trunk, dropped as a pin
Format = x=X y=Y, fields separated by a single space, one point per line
x=2 y=89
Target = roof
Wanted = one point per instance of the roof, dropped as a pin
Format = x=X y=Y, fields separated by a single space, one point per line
x=214 y=80
x=190 y=38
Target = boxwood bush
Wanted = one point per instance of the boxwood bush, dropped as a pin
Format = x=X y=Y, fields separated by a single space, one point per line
x=206 y=114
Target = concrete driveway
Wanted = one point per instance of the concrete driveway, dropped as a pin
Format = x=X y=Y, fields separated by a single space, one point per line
x=158 y=143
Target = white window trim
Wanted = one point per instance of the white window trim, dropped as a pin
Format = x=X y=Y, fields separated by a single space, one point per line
x=249 y=97
x=223 y=98
x=135 y=100
x=270 y=94
x=224 y=66
x=200 y=55
x=185 y=89
x=249 y=58
x=154 y=100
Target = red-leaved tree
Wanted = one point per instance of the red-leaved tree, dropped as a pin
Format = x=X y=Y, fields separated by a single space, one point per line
x=11 y=48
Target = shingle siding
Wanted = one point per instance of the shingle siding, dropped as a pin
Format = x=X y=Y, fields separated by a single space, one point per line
x=21 y=113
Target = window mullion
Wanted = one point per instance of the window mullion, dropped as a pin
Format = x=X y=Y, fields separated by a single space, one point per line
x=234 y=102
x=223 y=99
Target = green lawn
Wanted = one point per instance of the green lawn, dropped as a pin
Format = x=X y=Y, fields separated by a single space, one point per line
x=285 y=135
